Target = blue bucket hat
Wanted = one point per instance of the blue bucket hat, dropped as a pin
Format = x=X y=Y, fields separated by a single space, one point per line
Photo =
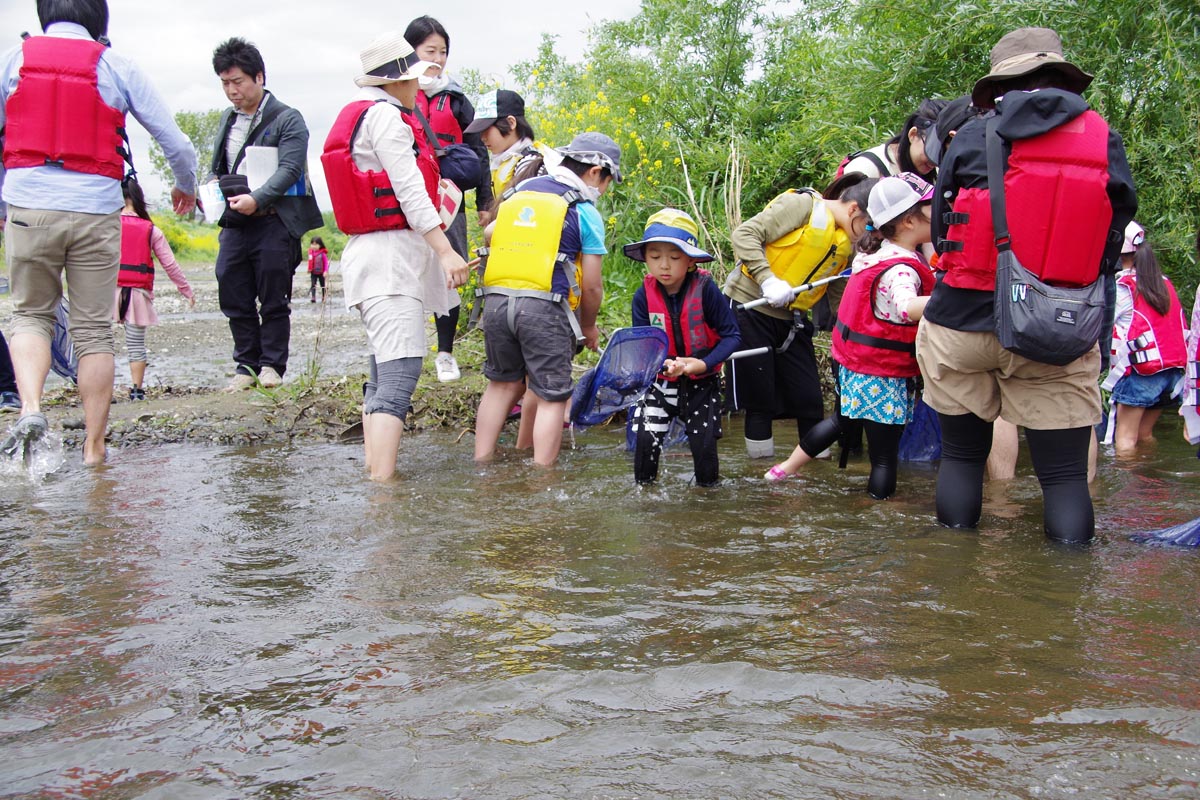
x=673 y=227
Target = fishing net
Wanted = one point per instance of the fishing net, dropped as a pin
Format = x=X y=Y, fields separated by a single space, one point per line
x=628 y=366
x=922 y=438
x=62 y=350
x=1185 y=535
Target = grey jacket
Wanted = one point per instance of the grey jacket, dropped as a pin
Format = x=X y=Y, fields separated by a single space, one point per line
x=287 y=132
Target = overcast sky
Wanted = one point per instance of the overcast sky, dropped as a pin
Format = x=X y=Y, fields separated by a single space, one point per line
x=311 y=47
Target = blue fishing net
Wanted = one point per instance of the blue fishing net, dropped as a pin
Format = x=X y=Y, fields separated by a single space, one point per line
x=62 y=350
x=922 y=438
x=631 y=361
x=1185 y=535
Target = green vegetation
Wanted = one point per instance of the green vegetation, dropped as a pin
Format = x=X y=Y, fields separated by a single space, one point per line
x=720 y=105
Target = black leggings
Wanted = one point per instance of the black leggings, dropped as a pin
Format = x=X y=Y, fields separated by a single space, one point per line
x=883 y=448
x=1059 y=460
x=759 y=424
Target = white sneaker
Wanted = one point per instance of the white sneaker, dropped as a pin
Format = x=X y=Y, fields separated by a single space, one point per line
x=241 y=381
x=269 y=378
x=447 y=368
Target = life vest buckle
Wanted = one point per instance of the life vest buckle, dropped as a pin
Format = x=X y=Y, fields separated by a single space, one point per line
x=955 y=218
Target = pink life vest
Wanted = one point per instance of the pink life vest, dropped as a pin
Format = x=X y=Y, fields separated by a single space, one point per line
x=56 y=116
x=137 y=262
x=867 y=344
x=1155 y=341
x=364 y=201
x=698 y=337
x=1057 y=198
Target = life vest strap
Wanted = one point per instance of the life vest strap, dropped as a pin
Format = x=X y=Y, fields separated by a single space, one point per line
x=553 y=297
x=875 y=341
x=950 y=246
x=144 y=269
x=955 y=218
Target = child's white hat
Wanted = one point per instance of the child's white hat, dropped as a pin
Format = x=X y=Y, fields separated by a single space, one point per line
x=894 y=195
x=1134 y=236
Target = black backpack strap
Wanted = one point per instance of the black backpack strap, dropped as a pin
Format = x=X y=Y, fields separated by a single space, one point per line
x=995 y=163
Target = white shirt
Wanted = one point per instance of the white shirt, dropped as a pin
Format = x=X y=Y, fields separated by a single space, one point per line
x=393 y=262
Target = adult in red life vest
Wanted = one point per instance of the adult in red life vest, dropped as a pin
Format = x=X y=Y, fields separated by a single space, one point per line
x=873 y=348
x=141 y=243
x=449 y=112
x=1149 y=344
x=63 y=101
x=397 y=264
x=701 y=331
x=1057 y=147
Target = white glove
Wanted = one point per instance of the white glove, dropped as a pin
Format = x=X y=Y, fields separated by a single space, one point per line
x=778 y=292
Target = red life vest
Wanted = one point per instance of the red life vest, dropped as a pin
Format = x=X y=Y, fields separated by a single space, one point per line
x=1155 y=341
x=867 y=344
x=698 y=337
x=441 y=118
x=1058 y=211
x=56 y=116
x=364 y=201
x=137 y=262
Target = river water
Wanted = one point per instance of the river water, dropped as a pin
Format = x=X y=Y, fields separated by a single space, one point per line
x=196 y=622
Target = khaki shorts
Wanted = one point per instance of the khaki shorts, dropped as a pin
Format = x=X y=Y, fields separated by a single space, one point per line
x=42 y=248
x=968 y=372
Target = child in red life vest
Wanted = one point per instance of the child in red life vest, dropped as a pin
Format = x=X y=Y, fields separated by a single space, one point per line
x=701 y=330
x=1149 y=341
x=135 y=282
x=876 y=328
x=318 y=267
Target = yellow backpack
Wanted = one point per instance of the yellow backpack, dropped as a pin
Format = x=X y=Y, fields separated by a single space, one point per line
x=524 y=249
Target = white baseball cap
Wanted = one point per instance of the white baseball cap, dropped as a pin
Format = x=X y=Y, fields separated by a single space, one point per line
x=894 y=195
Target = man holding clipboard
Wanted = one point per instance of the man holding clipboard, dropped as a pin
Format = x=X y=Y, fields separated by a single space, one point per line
x=263 y=224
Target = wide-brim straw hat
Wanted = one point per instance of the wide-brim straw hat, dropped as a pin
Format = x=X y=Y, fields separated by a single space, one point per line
x=1021 y=52
x=390 y=58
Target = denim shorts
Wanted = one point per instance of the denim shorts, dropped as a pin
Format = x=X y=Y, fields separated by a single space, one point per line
x=1147 y=391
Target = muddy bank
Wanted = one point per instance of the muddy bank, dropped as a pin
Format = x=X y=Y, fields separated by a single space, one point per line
x=190 y=364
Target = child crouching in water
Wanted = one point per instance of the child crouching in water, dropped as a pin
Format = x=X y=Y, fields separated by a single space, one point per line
x=873 y=341
x=702 y=332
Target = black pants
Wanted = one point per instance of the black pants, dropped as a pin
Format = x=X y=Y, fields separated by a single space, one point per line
x=8 y=380
x=883 y=448
x=315 y=279
x=698 y=404
x=1059 y=460
x=254 y=286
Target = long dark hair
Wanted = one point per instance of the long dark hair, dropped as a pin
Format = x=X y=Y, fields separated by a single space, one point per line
x=318 y=241
x=422 y=28
x=853 y=187
x=922 y=119
x=1150 y=283
x=133 y=193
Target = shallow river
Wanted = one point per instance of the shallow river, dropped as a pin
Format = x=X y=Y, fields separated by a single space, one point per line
x=208 y=623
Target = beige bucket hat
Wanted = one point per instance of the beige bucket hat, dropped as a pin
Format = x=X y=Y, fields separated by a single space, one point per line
x=1021 y=52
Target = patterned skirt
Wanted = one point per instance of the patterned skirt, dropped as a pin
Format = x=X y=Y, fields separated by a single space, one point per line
x=876 y=398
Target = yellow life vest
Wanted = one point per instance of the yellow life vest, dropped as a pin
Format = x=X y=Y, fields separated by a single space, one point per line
x=815 y=250
x=524 y=248
x=502 y=175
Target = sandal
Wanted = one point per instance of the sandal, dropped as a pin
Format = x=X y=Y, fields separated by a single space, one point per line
x=776 y=474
